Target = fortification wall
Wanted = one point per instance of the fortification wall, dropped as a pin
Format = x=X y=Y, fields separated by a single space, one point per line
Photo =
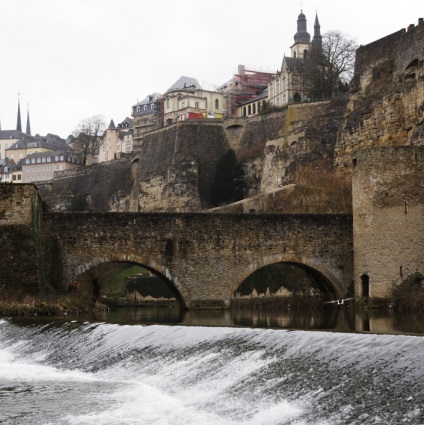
x=388 y=216
x=386 y=106
x=177 y=166
x=106 y=187
x=21 y=241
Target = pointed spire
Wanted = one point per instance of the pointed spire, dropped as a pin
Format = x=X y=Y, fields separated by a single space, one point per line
x=18 y=124
x=111 y=124
x=317 y=40
x=28 y=126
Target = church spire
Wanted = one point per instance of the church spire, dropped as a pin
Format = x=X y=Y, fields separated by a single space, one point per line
x=28 y=126
x=317 y=40
x=18 y=123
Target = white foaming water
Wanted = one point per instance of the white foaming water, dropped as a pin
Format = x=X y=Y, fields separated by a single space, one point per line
x=160 y=375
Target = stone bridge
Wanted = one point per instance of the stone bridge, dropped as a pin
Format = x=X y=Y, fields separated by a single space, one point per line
x=206 y=256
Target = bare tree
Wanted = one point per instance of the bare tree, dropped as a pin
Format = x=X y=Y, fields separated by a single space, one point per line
x=88 y=137
x=330 y=69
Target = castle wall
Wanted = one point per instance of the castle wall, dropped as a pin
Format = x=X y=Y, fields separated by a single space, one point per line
x=386 y=105
x=388 y=216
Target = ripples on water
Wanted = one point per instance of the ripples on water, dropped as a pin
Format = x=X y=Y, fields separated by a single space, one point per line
x=98 y=373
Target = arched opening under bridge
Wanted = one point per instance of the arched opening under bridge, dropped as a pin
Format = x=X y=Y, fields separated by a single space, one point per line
x=285 y=284
x=127 y=283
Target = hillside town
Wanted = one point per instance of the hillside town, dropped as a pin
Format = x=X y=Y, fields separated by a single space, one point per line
x=28 y=158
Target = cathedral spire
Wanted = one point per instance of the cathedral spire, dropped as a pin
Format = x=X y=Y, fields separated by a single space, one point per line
x=28 y=126
x=18 y=123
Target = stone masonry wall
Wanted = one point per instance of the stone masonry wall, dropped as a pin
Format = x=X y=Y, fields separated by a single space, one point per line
x=177 y=166
x=206 y=256
x=386 y=106
x=388 y=212
x=20 y=240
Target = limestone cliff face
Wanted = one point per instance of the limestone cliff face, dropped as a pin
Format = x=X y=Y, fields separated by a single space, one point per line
x=309 y=133
x=386 y=106
x=176 y=167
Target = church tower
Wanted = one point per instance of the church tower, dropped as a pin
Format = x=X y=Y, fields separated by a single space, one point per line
x=302 y=39
x=18 y=123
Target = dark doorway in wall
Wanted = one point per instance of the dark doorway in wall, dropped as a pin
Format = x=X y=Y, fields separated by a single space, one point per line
x=365 y=285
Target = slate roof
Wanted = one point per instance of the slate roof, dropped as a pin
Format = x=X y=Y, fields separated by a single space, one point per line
x=185 y=83
x=11 y=134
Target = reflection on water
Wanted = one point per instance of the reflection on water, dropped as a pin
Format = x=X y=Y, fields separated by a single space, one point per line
x=329 y=318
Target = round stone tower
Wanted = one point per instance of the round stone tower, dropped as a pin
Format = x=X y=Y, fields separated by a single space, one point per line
x=388 y=217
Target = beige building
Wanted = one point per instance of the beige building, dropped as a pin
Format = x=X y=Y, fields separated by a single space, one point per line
x=116 y=141
x=187 y=100
x=289 y=84
x=41 y=166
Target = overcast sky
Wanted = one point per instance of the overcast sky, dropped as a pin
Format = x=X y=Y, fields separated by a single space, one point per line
x=72 y=59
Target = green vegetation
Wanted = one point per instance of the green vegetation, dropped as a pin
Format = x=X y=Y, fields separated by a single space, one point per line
x=113 y=285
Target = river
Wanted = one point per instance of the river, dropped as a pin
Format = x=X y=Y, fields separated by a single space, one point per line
x=104 y=371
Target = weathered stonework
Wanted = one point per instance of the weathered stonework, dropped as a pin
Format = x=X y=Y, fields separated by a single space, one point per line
x=206 y=256
x=309 y=134
x=106 y=187
x=177 y=166
x=388 y=212
x=21 y=241
x=386 y=106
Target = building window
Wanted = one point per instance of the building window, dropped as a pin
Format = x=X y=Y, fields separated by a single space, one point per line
x=152 y=106
x=145 y=108
x=167 y=103
x=216 y=104
x=138 y=109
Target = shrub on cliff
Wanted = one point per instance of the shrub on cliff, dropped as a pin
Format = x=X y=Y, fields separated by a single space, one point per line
x=409 y=295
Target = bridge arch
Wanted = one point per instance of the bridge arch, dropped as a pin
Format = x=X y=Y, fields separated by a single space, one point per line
x=146 y=262
x=314 y=268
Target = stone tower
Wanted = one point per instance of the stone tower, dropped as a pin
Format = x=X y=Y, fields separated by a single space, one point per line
x=388 y=217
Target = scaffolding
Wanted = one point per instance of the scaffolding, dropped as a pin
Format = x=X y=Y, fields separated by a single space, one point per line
x=244 y=86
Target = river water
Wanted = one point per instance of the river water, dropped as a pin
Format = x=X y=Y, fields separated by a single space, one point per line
x=56 y=371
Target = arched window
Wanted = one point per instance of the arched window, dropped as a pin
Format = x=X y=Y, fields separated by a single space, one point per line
x=305 y=53
x=254 y=108
x=244 y=111
x=167 y=103
x=217 y=104
x=249 y=110
x=294 y=54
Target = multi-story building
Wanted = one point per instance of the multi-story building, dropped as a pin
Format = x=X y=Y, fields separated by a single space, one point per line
x=290 y=83
x=186 y=99
x=246 y=85
x=41 y=166
x=145 y=117
x=115 y=141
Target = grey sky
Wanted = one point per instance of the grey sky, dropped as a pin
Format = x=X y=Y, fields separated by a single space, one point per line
x=71 y=59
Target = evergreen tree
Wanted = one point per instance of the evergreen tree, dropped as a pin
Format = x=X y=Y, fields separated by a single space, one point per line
x=228 y=184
